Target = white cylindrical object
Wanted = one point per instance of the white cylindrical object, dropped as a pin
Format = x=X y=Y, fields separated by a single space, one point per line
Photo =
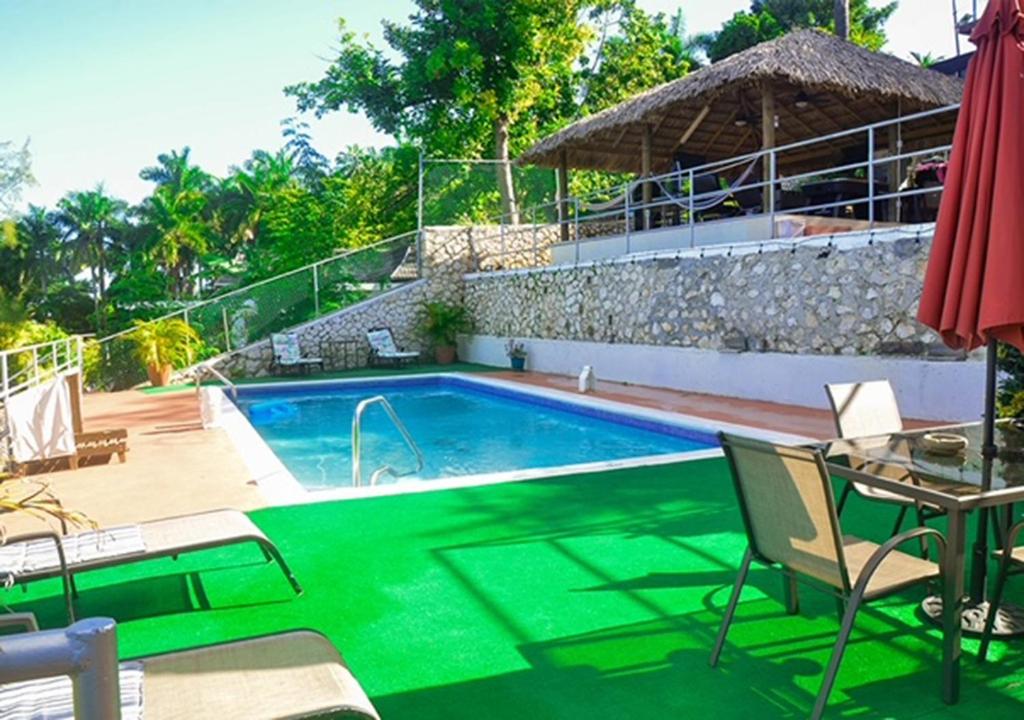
x=209 y=406
x=587 y=379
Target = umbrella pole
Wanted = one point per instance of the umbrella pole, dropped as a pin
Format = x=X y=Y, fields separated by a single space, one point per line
x=979 y=565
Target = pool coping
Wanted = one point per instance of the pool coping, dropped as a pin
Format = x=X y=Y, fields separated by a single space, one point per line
x=279 y=487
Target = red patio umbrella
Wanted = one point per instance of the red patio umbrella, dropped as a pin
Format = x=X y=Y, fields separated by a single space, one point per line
x=974 y=287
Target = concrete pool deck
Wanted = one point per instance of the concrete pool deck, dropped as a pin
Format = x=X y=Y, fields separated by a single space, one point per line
x=176 y=467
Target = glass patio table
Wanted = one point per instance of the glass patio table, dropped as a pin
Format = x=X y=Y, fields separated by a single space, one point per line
x=951 y=482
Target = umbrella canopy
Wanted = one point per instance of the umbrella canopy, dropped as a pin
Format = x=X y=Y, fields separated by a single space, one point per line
x=974 y=286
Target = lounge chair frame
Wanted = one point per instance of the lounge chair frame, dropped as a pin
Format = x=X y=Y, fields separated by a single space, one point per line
x=403 y=357
x=303 y=364
x=849 y=596
x=248 y=532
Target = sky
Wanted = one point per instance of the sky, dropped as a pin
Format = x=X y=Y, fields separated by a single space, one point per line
x=101 y=87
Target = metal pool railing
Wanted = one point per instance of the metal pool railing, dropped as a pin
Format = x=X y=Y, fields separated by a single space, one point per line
x=357 y=436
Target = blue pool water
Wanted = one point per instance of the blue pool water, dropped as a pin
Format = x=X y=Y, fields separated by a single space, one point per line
x=463 y=428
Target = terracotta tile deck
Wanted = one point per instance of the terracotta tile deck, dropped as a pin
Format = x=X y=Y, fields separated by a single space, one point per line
x=791 y=419
x=175 y=467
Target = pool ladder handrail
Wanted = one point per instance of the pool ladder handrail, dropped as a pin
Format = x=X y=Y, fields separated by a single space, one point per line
x=357 y=424
x=208 y=369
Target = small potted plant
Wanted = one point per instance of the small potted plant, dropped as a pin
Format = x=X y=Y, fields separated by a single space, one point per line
x=516 y=352
x=441 y=323
x=163 y=345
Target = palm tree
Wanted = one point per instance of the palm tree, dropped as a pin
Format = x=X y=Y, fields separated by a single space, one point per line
x=39 y=236
x=92 y=221
x=181 y=233
x=177 y=215
x=250 y=190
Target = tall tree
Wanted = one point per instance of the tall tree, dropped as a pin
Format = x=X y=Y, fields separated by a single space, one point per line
x=176 y=214
x=460 y=76
x=636 y=52
x=40 y=239
x=92 y=222
x=769 y=19
x=842 y=18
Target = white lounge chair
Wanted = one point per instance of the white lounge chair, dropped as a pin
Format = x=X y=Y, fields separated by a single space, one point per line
x=288 y=354
x=38 y=556
x=383 y=349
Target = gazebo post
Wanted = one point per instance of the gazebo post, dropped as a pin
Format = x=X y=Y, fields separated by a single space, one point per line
x=563 y=195
x=646 y=153
x=895 y=173
x=767 y=144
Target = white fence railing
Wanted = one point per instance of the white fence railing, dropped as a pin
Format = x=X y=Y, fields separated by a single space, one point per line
x=891 y=174
x=29 y=365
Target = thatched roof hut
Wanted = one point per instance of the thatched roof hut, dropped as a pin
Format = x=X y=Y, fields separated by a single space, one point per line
x=812 y=84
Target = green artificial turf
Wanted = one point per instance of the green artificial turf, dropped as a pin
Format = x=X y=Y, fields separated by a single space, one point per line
x=592 y=596
x=418 y=369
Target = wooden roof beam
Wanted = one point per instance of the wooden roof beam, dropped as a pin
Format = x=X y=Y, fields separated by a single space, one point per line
x=693 y=127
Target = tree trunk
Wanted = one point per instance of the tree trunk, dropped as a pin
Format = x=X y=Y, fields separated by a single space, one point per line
x=843 y=19
x=506 y=187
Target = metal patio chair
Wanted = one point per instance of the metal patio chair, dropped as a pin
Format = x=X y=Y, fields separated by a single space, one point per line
x=1011 y=563
x=788 y=509
x=870 y=408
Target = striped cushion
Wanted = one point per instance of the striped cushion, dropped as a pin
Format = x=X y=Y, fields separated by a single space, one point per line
x=20 y=558
x=51 y=698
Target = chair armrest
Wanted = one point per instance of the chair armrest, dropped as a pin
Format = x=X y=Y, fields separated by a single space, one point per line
x=46 y=535
x=894 y=542
x=24 y=620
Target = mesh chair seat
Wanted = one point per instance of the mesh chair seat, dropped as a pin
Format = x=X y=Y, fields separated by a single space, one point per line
x=897 y=571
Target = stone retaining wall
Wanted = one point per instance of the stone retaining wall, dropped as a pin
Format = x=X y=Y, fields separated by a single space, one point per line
x=447 y=258
x=858 y=301
x=817 y=301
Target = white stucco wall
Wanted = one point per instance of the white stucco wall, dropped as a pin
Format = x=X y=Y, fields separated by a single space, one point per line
x=931 y=390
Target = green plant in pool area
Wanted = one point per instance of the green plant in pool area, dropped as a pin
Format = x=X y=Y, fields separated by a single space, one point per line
x=441 y=324
x=515 y=349
x=163 y=345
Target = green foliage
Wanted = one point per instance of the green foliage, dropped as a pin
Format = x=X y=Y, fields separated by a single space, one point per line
x=441 y=322
x=769 y=19
x=18 y=329
x=648 y=50
x=1010 y=400
x=164 y=342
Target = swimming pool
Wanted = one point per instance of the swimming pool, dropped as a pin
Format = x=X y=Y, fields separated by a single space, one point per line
x=464 y=427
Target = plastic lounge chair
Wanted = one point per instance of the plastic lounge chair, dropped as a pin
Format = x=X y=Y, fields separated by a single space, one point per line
x=1011 y=563
x=288 y=675
x=384 y=350
x=785 y=498
x=159 y=538
x=288 y=354
x=870 y=408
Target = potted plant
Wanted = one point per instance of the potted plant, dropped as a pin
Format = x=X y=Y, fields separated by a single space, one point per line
x=441 y=323
x=516 y=352
x=162 y=345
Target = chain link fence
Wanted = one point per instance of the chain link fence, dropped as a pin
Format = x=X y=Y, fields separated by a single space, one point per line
x=240 y=317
